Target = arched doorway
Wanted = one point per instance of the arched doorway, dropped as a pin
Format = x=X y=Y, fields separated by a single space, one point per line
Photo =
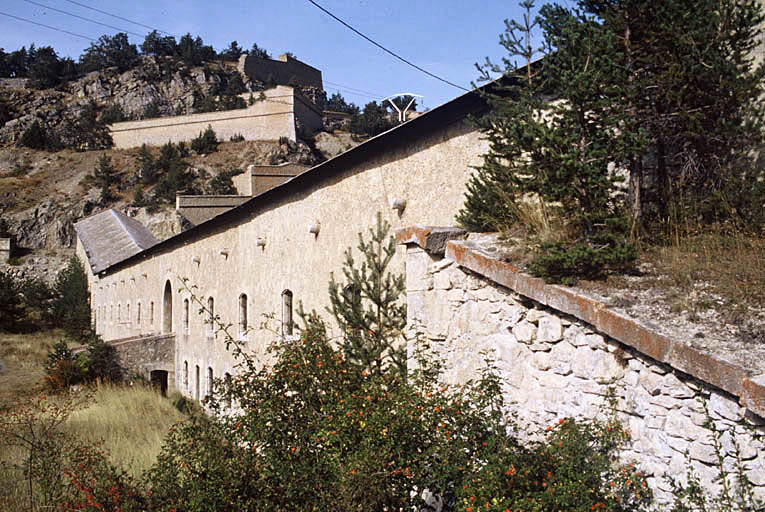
x=167 y=309
x=159 y=380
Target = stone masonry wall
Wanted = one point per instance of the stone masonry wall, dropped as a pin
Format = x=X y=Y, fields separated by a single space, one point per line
x=5 y=250
x=198 y=209
x=145 y=354
x=553 y=365
x=267 y=119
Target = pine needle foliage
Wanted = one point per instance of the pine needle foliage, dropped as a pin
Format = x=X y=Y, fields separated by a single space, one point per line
x=557 y=132
x=368 y=304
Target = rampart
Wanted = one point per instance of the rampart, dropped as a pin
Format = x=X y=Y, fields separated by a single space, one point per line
x=278 y=115
x=284 y=70
x=561 y=354
x=5 y=250
x=198 y=209
x=259 y=178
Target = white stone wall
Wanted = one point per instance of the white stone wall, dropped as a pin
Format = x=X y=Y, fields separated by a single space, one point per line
x=266 y=119
x=553 y=366
x=429 y=174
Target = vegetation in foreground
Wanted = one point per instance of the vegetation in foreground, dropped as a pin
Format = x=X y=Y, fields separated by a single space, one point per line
x=328 y=426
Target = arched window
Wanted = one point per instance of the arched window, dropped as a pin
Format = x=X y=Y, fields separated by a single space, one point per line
x=242 y=315
x=286 y=313
x=185 y=375
x=151 y=313
x=186 y=315
x=227 y=379
x=127 y=312
x=210 y=316
x=209 y=381
x=138 y=314
x=196 y=388
x=167 y=309
x=119 y=313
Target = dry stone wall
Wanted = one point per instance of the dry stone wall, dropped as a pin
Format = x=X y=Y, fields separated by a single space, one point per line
x=554 y=365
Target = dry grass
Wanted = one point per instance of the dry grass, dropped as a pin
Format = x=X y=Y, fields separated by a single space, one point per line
x=22 y=356
x=729 y=264
x=131 y=421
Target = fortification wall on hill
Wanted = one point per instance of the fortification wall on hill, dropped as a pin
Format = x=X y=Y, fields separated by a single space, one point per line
x=267 y=119
x=284 y=70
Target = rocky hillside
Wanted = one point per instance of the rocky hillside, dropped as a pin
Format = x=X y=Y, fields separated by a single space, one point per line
x=154 y=87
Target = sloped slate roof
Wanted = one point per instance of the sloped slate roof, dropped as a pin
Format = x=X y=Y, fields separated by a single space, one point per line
x=110 y=237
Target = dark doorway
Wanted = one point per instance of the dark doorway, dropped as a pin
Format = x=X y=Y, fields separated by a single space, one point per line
x=159 y=380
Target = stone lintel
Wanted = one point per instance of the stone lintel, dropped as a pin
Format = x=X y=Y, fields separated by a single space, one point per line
x=432 y=239
x=706 y=367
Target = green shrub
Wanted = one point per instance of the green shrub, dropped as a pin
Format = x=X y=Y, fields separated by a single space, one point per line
x=11 y=309
x=237 y=138
x=62 y=367
x=102 y=361
x=35 y=136
x=206 y=142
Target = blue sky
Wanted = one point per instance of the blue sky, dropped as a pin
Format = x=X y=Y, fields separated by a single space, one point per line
x=446 y=37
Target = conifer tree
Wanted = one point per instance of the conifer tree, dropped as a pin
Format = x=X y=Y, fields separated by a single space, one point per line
x=71 y=302
x=368 y=305
x=105 y=176
x=562 y=153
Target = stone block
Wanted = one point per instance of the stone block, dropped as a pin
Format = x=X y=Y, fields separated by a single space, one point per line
x=442 y=281
x=541 y=361
x=549 y=329
x=651 y=382
x=596 y=342
x=533 y=315
x=675 y=388
x=525 y=332
x=723 y=407
x=703 y=453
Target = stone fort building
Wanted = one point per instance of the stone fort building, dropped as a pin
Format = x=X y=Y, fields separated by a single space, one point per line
x=559 y=353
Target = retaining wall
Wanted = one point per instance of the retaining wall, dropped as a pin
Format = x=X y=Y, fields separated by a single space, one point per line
x=259 y=178
x=267 y=119
x=560 y=355
x=198 y=209
x=5 y=250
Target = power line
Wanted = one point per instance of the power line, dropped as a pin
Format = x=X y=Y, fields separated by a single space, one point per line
x=358 y=91
x=83 y=18
x=402 y=59
x=48 y=26
x=118 y=17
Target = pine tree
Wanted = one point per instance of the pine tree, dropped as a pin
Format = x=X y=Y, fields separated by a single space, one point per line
x=11 y=308
x=560 y=153
x=368 y=305
x=71 y=302
x=105 y=176
x=146 y=166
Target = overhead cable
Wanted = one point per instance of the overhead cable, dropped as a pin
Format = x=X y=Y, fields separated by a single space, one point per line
x=83 y=18
x=48 y=26
x=118 y=17
x=354 y=89
x=399 y=57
